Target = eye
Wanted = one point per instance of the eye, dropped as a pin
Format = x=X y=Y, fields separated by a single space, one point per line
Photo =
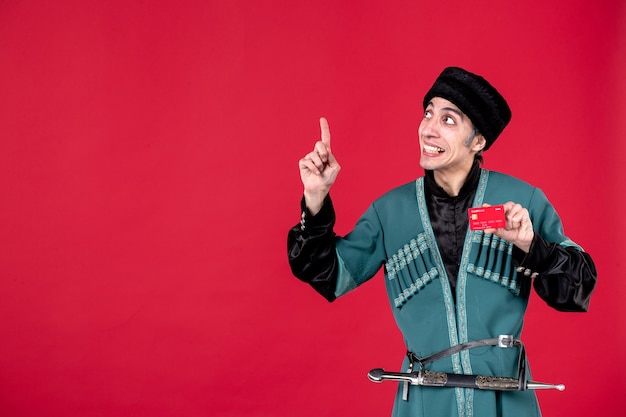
x=448 y=120
x=428 y=114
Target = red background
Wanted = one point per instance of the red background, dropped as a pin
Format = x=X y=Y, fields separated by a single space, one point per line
x=148 y=176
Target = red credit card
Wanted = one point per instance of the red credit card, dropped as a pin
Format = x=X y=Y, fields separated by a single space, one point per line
x=481 y=218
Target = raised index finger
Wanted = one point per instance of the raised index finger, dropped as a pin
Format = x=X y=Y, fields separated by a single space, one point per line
x=325 y=132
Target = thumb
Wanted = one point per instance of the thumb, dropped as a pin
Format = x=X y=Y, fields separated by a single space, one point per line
x=332 y=162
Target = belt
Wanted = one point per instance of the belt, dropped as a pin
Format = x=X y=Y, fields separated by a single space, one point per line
x=424 y=377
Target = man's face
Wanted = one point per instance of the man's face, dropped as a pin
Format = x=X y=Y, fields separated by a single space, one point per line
x=443 y=135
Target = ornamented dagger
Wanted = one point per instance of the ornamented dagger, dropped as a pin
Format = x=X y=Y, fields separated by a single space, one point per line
x=442 y=379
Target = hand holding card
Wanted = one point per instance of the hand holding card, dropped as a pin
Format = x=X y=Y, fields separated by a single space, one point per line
x=509 y=221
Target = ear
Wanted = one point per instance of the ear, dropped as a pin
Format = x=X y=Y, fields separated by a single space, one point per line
x=479 y=143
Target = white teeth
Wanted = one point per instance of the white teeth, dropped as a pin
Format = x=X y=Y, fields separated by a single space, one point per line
x=429 y=148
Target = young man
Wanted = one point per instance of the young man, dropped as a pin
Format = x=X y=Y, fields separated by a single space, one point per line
x=448 y=286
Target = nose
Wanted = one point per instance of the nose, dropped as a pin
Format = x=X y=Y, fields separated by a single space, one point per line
x=426 y=128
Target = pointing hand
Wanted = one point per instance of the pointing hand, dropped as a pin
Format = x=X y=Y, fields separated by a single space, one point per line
x=318 y=170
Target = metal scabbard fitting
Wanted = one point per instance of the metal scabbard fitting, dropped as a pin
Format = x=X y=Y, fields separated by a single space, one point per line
x=424 y=377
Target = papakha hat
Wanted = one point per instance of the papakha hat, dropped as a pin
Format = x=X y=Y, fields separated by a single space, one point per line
x=476 y=98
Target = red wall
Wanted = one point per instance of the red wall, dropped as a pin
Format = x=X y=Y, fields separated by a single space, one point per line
x=148 y=176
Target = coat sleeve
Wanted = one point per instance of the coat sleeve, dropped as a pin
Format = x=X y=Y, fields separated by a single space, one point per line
x=311 y=249
x=564 y=274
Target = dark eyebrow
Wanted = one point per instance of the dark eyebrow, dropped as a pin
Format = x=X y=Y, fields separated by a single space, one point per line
x=456 y=111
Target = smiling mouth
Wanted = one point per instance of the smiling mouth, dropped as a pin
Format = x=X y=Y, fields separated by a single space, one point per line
x=433 y=149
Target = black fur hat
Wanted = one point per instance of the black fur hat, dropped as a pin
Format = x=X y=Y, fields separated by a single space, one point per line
x=474 y=96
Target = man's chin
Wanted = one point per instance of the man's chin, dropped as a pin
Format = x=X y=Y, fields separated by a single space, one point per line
x=428 y=165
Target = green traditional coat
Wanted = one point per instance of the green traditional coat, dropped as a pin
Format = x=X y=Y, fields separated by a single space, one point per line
x=491 y=298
